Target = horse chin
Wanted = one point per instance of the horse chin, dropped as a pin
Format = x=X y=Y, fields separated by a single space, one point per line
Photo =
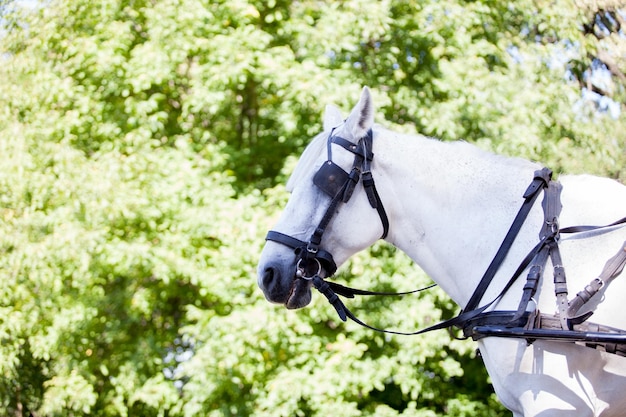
x=300 y=294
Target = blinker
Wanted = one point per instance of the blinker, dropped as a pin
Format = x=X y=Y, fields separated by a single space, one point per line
x=330 y=178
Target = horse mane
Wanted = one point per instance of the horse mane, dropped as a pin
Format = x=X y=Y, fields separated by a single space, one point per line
x=463 y=150
x=468 y=151
x=304 y=165
x=473 y=151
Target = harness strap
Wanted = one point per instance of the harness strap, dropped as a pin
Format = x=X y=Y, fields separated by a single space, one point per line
x=537 y=326
x=532 y=282
x=540 y=181
x=612 y=268
x=324 y=287
x=344 y=313
x=560 y=285
x=301 y=247
x=356 y=149
x=316 y=237
x=551 y=209
x=478 y=323
x=349 y=292
x=581 y=229
x=370 y=186
x=364 y=152
x=459 y=321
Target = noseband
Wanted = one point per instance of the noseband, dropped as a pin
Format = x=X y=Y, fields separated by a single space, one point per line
x=339 y=185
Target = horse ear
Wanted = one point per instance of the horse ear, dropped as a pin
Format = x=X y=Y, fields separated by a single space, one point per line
x=361 y=118
x=332 y=117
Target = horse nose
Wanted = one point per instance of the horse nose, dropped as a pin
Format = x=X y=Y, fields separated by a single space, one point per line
x=269 y=278
x=270 y=283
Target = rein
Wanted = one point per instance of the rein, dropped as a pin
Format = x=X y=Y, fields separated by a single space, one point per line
x=311 y=260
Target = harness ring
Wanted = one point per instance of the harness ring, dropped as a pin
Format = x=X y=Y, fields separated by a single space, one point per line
x=300 y=271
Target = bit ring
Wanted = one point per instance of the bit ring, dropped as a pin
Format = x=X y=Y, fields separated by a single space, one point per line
x=301 y=273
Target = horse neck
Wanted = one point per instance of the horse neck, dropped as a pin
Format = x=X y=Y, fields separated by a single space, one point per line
x=451 y=205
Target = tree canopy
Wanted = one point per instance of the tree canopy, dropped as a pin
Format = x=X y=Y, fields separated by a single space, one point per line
x=144 y=145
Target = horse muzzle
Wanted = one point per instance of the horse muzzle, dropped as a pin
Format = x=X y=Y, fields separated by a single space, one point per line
x=300 y=294
x=285 y=286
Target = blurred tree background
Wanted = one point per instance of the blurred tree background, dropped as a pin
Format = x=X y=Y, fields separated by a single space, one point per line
x=143 y=148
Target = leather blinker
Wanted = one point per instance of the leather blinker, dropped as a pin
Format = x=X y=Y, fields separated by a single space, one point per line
x=330 y=178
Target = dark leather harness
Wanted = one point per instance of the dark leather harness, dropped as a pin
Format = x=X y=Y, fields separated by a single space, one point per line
x=476 y=322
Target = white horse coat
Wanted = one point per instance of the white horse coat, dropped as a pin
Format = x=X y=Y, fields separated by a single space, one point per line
x=449 y=207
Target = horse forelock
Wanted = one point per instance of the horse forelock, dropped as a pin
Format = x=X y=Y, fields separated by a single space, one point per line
x=307 y=159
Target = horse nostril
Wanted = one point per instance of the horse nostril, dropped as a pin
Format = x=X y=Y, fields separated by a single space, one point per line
x=269 y=276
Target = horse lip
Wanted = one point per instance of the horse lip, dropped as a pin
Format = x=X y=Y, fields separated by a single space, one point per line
x=299 y=295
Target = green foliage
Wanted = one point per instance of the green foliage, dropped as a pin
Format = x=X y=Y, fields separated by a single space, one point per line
x=141 y=144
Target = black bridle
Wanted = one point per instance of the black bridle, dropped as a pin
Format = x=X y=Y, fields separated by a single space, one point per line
x=311 y=258
x=339 y=185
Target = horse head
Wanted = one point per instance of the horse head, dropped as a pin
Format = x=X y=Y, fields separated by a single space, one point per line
x=331 y=213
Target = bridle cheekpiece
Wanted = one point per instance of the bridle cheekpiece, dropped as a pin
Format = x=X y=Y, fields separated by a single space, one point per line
x=339 y=185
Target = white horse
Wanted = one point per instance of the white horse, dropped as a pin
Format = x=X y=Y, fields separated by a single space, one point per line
x=449 y=206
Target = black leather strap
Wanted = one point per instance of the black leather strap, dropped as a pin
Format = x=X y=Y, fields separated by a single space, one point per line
x=286 y=240
x=375 y=201
x=370 y=186
x=340 y=192
x=551 y=210
x=360 y=149
x=581 y=229
x=511 y=323
x=349 y=292
x=300 y=246
x=459 y=321
x=540 y=181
